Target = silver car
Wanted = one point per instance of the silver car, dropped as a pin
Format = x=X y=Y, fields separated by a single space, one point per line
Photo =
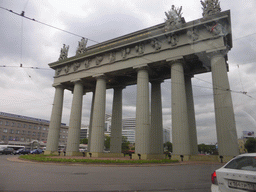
x=239 y=174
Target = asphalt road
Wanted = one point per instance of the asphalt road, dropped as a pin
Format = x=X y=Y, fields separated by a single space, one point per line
x=28 y=176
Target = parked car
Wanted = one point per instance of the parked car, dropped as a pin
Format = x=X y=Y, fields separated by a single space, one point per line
x=239 y=174
x=36 y=151
x=22 y=151
x=7 y=151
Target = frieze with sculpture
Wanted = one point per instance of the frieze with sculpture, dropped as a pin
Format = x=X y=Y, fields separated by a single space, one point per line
x=140 y=48
x=112 y=56
x=172 y=39
x=67 y=68
x=173 y=21
x=193 y=34
x=87 y=63
x=98 y=58
x=125 y=51
x=155 y=44
x=76 y=66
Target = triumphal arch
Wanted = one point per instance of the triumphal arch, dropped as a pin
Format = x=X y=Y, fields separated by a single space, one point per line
x=174 y=49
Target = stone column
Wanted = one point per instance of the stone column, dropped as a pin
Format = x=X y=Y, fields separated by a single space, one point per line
x=116 y=122
x=224 y=113
x=98 y=122
x=90 y=123
x=75 y=120
x=180 y=128
x=142 y=139
x=191 y=116
x=55 y=123
x=156 y=128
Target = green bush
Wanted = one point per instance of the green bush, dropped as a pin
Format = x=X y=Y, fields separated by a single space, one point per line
x=47 y=158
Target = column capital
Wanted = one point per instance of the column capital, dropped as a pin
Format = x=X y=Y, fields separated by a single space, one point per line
x=76 y=81
x=119 y=87
x=141 y=67
x=156 y=81
x=217 y=53
x=173 y=60
x=99 y=76
x=57 y=85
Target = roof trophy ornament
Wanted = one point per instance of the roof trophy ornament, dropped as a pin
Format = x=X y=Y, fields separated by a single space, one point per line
x=81 y=46
x=64 y=52
x=174 y=19
x=210 y=7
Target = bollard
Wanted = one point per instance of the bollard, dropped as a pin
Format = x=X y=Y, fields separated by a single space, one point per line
x=181 y=156
x=90 y=154
x=221 y=158
x=139 y=156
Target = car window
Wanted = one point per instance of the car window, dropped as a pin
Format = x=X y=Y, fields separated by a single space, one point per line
x=243 y=163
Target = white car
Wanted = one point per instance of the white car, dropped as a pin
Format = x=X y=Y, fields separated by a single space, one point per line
x=239 y=174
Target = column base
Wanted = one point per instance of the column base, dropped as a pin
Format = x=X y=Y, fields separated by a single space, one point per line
x=106 y=155
x=51 y=153
x=181 y=158
x=148 y=156
x=209 y=158
x=74 y=153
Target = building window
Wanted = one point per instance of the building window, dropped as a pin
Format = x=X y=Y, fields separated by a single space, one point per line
x=16 y=139
x=29 y=132
x=13 y=124
x=7 y=123
x=38 y=134
x=64 y=131
x=1 y=122
x=30 y=126
x=34 y=133
x=3 y=137
x=19 y=125
x=5 y=130
x=35 y=127
x=27 y=139
x=44 y=128
x=22 y=139
x=24 y=126
x=43 y=134
x=23 y=132
x=10 y=138
x=11 y=131
x=17 y=131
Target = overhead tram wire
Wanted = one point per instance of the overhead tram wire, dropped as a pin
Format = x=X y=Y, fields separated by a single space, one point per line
x=22 y=14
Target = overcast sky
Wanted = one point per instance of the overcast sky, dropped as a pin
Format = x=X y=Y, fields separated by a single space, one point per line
x=29 y=92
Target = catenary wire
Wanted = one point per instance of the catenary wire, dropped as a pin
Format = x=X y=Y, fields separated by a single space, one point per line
x=23 y=15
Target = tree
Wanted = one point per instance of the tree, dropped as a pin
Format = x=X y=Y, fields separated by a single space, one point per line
x=250 y=145
x=84 y=141
x=107 y=143
x=210 y=149
x=168 y=146
x=125 y=144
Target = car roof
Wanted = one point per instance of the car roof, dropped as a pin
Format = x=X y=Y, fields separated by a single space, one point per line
x=247 y=154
